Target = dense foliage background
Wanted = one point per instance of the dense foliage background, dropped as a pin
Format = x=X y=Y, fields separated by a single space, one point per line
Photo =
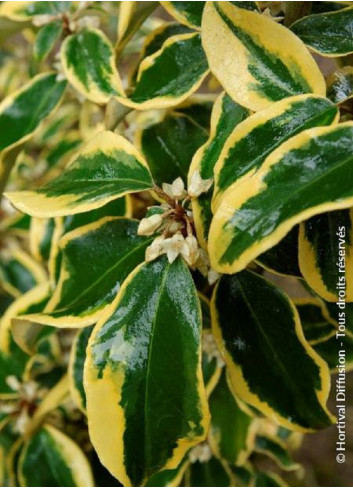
x=176 y=195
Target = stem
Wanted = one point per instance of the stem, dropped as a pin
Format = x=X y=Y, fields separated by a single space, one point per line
x=164 y=196
x=115 y=113
x=295 y=11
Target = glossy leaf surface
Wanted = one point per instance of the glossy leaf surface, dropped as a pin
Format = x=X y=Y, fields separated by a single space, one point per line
x=46 y=39
x=169 y=146
x=106 y=168
x=254 y=68
x=283 y=258
x=170 y=75
x=340 y=85
x=77 y=361
x=226 y=114
x=23 y=111
x=305 y=176
x=89 y=65
x=230 y=433
x=86 y=286
x=57 y=460
x=260 y=134
x=211 y=473
x=329 y=34
x=326 y=254
x=188 y=13
x=265 y=341
x=131 y=358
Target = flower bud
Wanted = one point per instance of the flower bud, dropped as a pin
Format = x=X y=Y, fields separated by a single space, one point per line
x=198 y=185
x=155 y=249
x=149 y=225
x=190 y=251
x=176 y=190
x=173 y=246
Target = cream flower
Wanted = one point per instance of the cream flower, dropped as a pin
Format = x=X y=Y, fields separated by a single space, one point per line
x=198 y=185
x=149 y=225
x=176 y=190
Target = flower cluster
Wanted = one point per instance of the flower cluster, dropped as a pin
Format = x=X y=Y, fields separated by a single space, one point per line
x=175 y=223
x=23 y=406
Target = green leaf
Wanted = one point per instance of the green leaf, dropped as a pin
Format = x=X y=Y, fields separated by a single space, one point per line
x=77 y=361
x=243 y=475
x=17 y=223
x=283 y=257
x=115 y=208
x=313 y=317
x=276 y=450
x=131 y=17
x=46 y=39
x=154 y=42
x=40 y=238
x=334 y=349
x=106 y=168
x=22 y=11
x=32 y=301
x=169 y=478
x=19 y=272
x=13 y=360
x=187 y=13
x=305 y=176
x=268 y=479
x=62 y=151
x=96 y=259
x=8 y=442
x=170 y=75
x=11 y=366
x=212 y=473
x=254 y=67
x=340 y=85
x=259 y=135
x=212 y=362
x=270 y=364
x=169 y=146
x=231 y=436
x=326 y=254
x=329 y=34
x=23 y=111
x=57 y=460
x=199 y=108
x=89 y=65
x=226 y=115
x=247 y=5
x=136 y=379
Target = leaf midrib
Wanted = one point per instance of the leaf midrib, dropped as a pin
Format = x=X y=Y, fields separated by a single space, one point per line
x=290 y=194
x=258 y=160
x=104 y=181
x=149 y=355
x=263 y=334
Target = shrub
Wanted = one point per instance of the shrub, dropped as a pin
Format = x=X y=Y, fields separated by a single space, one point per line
x=163 y=173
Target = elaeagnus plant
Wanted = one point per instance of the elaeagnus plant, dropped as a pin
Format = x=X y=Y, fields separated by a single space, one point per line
x=162 y=163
